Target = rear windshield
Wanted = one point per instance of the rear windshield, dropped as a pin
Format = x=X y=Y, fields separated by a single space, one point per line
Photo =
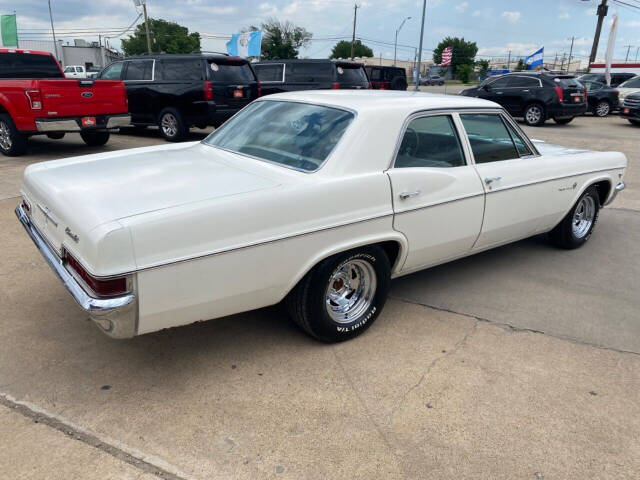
x=568 y=82
x=294 y=135
x=350 y=74
x=230 y=72
x=591 y=77
x=27 y=65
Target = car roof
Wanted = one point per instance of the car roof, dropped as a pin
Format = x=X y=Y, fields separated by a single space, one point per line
x=404 y=102
x=25 y=50
x=309 y=60
x=156 y=56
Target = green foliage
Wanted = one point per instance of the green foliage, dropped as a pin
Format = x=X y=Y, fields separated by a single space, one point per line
x=464 y=73
x=166 y=37
x=281 y=39
x=464 y=52
x=483 y=66
x=342 y=49
x=521 y=66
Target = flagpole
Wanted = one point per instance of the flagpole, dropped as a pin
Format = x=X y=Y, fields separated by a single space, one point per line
x=55 y=44
x=424 y=12
x=17 y=39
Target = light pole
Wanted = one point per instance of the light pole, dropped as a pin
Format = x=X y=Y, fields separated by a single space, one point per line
x=395 y=45
x=424 y=12
x=55 y=44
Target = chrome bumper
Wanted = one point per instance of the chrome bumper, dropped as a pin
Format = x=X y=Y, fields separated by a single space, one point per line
x=621 y=186
x=71 y=124
x=116 y=316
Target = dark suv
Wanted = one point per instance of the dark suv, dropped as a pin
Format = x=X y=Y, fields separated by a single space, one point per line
x=535 y=96
x=176 y=92
x=278 y=76
x=386 y=78
x=616 y=78
x=631 y=109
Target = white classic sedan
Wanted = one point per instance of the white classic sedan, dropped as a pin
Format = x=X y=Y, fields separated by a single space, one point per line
x=315 y=198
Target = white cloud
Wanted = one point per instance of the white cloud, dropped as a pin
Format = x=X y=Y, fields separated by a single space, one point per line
x=564 y=16
x=222 y=10
x=462 y=7
x=512 y=17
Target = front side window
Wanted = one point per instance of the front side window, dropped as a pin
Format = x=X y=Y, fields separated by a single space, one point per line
x=270 y=72
x=112 y=72
x=139 y=70
x=430 y=142
x=501 y=82
x=521 y=146
x=69 y=70
x=294 y=135
x=633 y=83
x=524 y=82
x=489 y=138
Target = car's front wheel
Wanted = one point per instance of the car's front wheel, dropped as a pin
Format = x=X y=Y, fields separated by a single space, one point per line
x=534 y=115
x=577 y=226
x=634 y=122
x=343 y=295
x=602 y=109
x=12 y=142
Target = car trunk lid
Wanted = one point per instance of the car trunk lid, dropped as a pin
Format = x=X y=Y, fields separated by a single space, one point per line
x=572 y=90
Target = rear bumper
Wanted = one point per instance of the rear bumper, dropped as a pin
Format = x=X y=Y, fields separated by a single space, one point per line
x=73 y=124
x=634 y=113
x=567 y=110
x=214 y=114
x=116 y=316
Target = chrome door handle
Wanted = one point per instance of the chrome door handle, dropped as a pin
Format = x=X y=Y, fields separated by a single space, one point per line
x=489 y=180
x=406 y=195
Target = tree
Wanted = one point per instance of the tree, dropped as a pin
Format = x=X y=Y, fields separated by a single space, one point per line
x=464 y=73
x=342 y=49
x=166 y=37
x=464 y=52
x=483 y=66
x=281 y=39
x=520 y=66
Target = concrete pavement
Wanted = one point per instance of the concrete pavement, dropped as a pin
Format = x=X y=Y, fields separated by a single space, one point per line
x=461 y=390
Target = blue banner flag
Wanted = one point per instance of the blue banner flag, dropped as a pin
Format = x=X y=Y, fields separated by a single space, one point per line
x=535 y=60
x=245 y=44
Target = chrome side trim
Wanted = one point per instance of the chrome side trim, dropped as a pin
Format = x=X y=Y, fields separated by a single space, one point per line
x=620 y=187
x=437 y=204
x=71 y=125
x=86 y=302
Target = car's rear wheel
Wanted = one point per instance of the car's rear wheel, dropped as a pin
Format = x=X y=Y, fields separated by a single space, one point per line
x=171 y=125
x=563 y=120
x=343 y=295
x=577 y=226
x=534 y=115
x=602 y=109
x=12 y=142
x=634 y=122
x=95 y=139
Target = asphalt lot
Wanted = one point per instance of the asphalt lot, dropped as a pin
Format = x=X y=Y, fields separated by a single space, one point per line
x=521 y=362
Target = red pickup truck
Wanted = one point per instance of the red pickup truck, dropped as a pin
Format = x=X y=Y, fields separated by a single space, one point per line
x=36 y=98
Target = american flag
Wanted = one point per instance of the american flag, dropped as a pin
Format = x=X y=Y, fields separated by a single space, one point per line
x=447 y=55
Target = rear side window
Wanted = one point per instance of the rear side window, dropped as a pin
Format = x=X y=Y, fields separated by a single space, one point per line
x=633 y=83
x=501 y=82
x=309 y=72
x=139 y=70
x=270 y=72
x=230 y=72
x=350 y=74
x=524 y=82
x=489 y=138
x=188 y=69
x=375 y=74
x=430 y=142
x=27 y=65
x=522 y=148
x=113 y=71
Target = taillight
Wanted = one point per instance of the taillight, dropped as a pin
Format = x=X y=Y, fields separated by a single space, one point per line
x=259 y=90
x=26 y=206
x=35 y=99
x=335 y=86
x=560 y=94
x=616 y=93
x=586 y=94
x=208 y=90
x=102 y=288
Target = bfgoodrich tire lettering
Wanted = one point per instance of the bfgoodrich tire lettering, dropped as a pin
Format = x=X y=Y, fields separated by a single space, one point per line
x=576 y=227
x=315 y=303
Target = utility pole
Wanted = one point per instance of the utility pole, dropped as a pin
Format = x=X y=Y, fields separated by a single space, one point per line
x=53 y=32
x=353 y=39
x=146 y=25
x=395 y=45
x=603 y=9
x=570 y=53
x=555 y=60
x=424 y=13
x=562 y=62
x=628 y=50
x=509 y=61
x=637 y=50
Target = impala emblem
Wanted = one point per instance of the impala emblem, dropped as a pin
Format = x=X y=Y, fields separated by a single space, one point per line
x=86 y=94
x=71 y=235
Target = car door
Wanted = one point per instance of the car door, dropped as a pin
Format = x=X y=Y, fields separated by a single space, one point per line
x=517 y=198
x=519 y=91
x=138 y=76
x=438 y=198
x=494 y=91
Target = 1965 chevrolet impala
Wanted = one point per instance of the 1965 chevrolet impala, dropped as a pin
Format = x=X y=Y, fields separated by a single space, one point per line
x=316 y=198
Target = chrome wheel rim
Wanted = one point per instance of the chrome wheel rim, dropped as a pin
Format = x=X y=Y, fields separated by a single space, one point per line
x=169 y=124
x=583 y=216
x=351 y=289
x=603 y=109
x=5 y=136
x=534 y=114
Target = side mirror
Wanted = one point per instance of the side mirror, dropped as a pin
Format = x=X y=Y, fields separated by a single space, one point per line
x=486 y=88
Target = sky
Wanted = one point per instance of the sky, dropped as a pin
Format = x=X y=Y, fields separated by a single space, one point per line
x=497 y=26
